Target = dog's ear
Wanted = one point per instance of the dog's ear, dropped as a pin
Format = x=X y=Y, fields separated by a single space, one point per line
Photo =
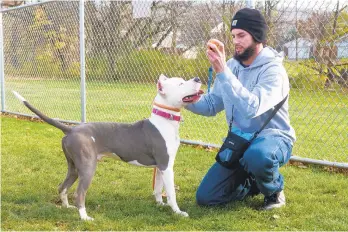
x=160 y=87
x=161 y=79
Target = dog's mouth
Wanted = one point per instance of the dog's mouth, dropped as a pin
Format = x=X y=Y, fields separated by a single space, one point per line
x=193 y=98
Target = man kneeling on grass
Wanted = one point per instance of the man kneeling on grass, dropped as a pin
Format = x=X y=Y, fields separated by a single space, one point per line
x=248 y=87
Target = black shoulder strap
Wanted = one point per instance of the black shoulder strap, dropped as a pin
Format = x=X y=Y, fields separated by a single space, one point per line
x=276 y=108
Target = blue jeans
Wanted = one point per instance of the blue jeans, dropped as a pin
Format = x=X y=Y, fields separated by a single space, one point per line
x=262 y=160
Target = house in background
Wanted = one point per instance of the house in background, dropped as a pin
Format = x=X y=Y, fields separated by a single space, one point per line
x=303 y=47
x=307 y=49
x=342 y=47
x=336 y=50
x=166 y=45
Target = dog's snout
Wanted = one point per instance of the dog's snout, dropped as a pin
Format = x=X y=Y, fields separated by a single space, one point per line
x=196 y=79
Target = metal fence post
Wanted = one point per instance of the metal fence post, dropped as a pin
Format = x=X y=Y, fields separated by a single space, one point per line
x=2 y=60
x=82 y=60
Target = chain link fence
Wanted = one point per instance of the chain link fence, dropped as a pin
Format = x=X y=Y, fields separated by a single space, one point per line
x=126 y=52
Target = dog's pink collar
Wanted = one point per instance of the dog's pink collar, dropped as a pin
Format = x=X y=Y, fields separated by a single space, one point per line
x=166 y=115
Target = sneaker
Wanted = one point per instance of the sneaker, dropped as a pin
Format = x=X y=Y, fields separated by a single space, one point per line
x=276 y=200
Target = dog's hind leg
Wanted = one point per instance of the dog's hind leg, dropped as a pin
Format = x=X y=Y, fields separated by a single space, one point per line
x=86 y=172
x=70 y=179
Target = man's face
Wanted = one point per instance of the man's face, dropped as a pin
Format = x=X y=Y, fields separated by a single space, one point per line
x=244 y=44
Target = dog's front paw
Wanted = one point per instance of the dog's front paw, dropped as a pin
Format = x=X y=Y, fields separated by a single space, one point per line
x=182 y=213
x=87 y=218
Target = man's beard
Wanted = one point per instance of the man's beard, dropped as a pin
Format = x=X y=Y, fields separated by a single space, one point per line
x=248 y=52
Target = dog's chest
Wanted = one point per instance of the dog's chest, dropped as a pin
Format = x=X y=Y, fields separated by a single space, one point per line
x=169 y=133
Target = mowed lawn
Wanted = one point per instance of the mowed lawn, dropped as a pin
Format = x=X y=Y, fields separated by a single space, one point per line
x=319 y=117
x=120 y=196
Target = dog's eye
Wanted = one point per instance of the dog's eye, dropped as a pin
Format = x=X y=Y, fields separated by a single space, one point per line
x=181 y=84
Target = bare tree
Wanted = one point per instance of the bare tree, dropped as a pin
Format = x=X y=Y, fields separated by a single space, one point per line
x=112 y=31
x=270 y=11
x=334 y=74
x=322 y=28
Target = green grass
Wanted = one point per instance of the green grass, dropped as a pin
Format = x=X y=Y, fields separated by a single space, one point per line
x=119 y=198
x=319 y=117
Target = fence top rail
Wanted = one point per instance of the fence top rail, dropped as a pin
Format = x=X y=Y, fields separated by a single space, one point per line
x=3 y=10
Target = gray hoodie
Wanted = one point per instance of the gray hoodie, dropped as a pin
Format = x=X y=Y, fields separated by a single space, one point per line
x=251 y=92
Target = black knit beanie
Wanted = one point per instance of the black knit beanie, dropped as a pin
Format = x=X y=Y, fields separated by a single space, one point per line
x=252 y=21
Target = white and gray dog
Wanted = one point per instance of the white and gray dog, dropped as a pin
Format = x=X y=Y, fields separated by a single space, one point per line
x=151 y=142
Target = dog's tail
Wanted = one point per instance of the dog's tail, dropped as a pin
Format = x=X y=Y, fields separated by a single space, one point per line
x=66 y=129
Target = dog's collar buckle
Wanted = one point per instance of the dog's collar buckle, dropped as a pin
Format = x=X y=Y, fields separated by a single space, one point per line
x=166 y=115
